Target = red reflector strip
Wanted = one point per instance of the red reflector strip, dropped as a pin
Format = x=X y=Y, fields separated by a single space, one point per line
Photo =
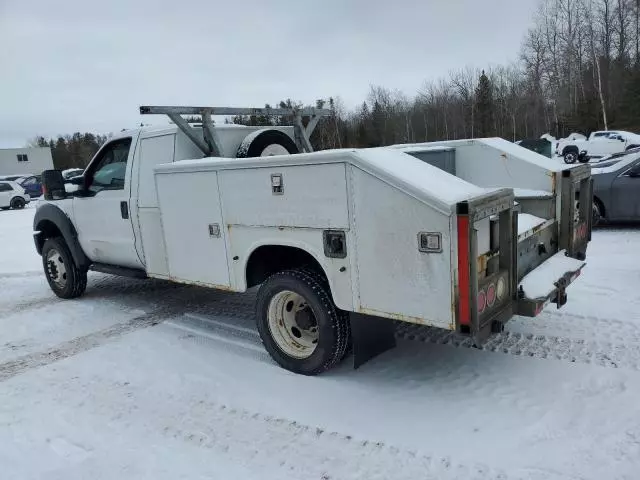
x=464 y=284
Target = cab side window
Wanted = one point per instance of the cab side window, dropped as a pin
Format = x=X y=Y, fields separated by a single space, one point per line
x=5 y=187
x=111 y=168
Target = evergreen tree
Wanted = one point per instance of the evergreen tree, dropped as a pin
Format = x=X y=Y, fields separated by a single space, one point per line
x=484 y=126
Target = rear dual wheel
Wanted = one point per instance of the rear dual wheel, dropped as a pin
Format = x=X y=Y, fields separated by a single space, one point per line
x=299 y=324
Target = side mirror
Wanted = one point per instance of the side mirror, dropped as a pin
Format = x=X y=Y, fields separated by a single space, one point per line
x=53 y=185
x=634 y=173
x=79 y=180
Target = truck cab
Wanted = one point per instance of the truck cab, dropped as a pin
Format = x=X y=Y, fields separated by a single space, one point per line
x=115 y=208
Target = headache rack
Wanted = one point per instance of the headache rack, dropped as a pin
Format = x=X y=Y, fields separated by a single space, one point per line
x=209 y=143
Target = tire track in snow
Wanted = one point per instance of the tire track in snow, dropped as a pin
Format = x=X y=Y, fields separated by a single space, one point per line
x=31 y=305
x=279 y=443
x=588 y=327
x=77 y=345
x=601 y=353
x=27 y=274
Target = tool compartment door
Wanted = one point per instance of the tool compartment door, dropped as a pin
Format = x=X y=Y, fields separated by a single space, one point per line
x=193 y=230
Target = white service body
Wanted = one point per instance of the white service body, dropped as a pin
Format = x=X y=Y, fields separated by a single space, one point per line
x=360 y=192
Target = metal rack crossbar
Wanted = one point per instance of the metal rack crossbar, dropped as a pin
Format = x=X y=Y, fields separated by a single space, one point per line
x=210 y=146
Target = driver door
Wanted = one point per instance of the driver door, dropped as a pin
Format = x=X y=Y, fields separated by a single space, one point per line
x=101 y=208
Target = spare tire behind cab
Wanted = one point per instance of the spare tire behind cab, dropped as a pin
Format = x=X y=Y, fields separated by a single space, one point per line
x=267 y=142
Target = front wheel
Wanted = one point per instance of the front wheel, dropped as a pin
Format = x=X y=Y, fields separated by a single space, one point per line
x=570 y=157
x=64 y=277
x=299 y=324
x=18 y=203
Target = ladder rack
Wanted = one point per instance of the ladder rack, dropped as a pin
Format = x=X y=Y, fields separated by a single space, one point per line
x=210 y=146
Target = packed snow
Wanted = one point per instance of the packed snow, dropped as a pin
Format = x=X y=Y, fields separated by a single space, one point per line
x=527 y=222
x=146 y=379
x=540 y=282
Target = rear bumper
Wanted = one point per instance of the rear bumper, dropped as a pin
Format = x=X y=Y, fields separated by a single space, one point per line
x=539 y=296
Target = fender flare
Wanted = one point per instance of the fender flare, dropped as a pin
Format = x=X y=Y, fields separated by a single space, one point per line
x=53 y=214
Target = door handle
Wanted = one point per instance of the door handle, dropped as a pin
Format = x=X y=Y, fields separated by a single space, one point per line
x=124 y=210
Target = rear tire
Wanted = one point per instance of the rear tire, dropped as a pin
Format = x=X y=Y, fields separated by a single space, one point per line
x=300 y=326
x=18 y=203
x=64 y=277
x=596 y=213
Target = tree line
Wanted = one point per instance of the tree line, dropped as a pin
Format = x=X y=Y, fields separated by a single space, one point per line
x=578 y=70
x=71 y=151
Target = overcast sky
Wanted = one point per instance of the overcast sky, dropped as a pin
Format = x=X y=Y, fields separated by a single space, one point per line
x=83 y=65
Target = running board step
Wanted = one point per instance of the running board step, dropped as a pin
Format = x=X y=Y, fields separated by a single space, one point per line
x=116 y=270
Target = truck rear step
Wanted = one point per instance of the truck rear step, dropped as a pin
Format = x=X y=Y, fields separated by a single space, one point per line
x=547 y=283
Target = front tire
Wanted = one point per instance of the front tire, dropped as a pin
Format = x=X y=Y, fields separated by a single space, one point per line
x=300 y=326
x=18 y=203
x=64 y=277
x=570 y=156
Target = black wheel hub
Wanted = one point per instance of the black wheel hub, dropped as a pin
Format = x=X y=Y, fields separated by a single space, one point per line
x=305 y=319
x=53 y=270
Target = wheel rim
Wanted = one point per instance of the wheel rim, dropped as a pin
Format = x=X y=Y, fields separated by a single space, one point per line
x=292 y=324
x=17 y=203
x=570 y=158
x=597 y=216
x=274 y=149
x=56 y=268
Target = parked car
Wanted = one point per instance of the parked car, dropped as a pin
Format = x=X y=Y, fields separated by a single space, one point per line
x=616 y=189
x=12 y=195
x=32 y=185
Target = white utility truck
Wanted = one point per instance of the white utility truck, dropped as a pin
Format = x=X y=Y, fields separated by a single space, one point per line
x=341 y=242
x=598 y=145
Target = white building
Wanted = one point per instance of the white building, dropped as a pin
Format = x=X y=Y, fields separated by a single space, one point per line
x=29 y=160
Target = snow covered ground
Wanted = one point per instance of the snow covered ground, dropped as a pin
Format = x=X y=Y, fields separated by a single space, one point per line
x=145 y=379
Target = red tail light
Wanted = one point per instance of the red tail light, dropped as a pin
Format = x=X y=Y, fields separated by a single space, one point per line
x=482 y=301
x=491 y=295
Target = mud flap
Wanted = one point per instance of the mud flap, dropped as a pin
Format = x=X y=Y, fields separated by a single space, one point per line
x=371 y=336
